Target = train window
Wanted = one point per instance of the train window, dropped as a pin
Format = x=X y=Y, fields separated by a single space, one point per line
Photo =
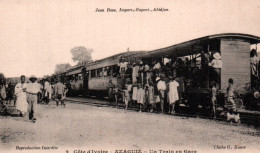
x=100 y=72
x=80 y=77
x=109 y=71
x=104 y=71
x=115 y=70
x=72 y=78
x=76 y=77
x=93 y=72
x=89 y=74
x=96 y=73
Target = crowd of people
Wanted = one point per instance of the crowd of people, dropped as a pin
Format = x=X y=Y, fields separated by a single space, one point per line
x=157 y=85
x=27 y=95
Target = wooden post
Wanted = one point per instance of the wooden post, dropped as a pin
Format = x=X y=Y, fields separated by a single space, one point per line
x=208 y=70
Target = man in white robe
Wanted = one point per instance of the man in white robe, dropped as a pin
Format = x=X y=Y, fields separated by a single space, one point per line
x=47 y=90
x=20 y=93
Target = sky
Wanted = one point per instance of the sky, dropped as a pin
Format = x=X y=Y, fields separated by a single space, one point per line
x=35 y=35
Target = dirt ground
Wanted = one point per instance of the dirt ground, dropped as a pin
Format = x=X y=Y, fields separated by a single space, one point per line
x=79 y=127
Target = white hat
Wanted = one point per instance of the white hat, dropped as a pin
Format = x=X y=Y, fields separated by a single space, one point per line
x=33 y=77
x=256 y=94
x=217 y=56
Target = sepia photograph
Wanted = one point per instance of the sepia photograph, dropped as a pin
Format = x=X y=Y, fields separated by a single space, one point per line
x=129 y=76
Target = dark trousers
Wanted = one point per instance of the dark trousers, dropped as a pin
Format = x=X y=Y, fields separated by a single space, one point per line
x=60 y=98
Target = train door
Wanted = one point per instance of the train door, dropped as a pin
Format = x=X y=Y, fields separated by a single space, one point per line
x=85 y=83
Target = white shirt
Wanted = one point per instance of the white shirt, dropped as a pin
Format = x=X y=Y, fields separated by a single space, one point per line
x=216 y=63
x=157 y=66
x=146 y=67
x=122 y=65
x=254 y=60
x=33 y=88
x=47 y=86
x=59 y=88
x=135 y=70
x=161 y=85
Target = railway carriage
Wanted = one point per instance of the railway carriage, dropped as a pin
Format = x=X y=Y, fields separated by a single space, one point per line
x=194 y=78
x=98 y=73
x=195 y=81
x=92 y=79
x=60 y=76
x=74 y=77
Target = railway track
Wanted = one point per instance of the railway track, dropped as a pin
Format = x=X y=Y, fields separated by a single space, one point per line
x=249 y=118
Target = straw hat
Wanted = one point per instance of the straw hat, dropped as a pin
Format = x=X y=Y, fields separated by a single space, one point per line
x=256 y=94
x=217 y=56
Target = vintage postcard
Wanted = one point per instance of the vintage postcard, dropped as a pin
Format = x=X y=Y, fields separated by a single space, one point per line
x=129 y=76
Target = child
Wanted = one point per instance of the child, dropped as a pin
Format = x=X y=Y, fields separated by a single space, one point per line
x=230 y=93
x=213 y=98
x=173 y=95
x=140 y=96
x=127 y=90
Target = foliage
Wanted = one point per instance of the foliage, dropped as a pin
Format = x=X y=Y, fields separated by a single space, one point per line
x=2 y=77
x=60 y=68
x=81 y=54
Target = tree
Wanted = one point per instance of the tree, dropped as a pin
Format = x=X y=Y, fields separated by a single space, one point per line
x=61 y=68
x=81 y=54
x=2 y=77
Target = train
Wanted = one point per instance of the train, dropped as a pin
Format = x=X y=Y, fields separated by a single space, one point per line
x=91 y=79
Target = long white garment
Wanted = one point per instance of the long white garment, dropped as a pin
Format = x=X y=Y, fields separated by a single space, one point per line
x=173 y=92
x=134 y=96
x=21 y=101
x=135 y=73
x=47 y=88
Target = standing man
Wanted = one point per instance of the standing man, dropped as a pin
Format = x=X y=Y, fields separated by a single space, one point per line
x=2 y=91
x=33 y=89
x=122 y=70
x=110 y=88
x=216 y=64
x=135 y=72
x=20 y=93
x=47 y=91
x=59 y=90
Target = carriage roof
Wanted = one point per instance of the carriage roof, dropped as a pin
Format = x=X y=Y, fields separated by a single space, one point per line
x=124 y=54
x=195 y=45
